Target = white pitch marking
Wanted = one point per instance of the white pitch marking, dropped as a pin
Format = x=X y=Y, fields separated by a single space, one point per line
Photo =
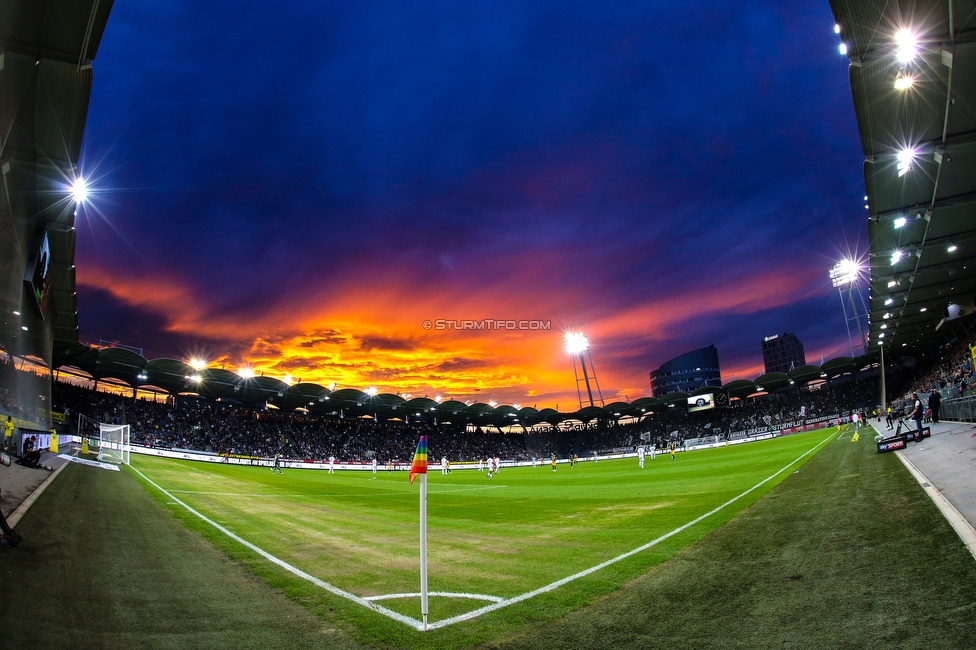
x=602 y=565
x=396 y=616
x=369 y=603
x=445 y=594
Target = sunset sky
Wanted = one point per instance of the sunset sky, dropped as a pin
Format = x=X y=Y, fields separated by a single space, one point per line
x=299 y=186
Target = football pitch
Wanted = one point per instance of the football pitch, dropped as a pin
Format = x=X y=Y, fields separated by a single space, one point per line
x=528 y=544
x=806 y=541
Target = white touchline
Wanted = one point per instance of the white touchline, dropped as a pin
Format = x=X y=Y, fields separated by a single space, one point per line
x=369 y=602
x=396 y=616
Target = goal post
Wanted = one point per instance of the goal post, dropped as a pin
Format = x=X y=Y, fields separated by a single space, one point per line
x=113 y=443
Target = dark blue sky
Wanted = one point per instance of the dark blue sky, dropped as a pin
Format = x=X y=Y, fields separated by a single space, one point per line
x=298 y=186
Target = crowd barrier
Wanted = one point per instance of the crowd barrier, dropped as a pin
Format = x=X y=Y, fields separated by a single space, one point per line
x=960 y=409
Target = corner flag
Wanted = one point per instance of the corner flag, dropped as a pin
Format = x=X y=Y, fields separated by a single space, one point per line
x=420 y=467
x=419 y=459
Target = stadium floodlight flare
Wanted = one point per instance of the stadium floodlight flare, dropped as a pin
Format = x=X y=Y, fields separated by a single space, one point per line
x=371 y=391
x=578 y=347
x=845 y=272
x=905 y=158
x=576 y=343
x=79 y=190
x=246 y=372
x=197 y=363
x=844 y=276
x=907 y=45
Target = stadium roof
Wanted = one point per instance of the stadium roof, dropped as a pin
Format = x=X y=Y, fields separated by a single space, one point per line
x=46 y=53
x=913 y=82
x=176 y=377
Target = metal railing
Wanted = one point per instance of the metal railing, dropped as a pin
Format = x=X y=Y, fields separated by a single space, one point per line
x=960 y=409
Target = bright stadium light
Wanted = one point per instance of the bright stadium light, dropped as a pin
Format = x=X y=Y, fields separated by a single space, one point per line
x=845 y=272
x=245 y=372
x=905 y=159
x=907 y=45
x=79 y=190
x=576 y=343
x=438 y=399
x=896 y=256
x=900 y=222
x=492 y=403
x=371 y=391
x=197 y=364
x=516 y=406
x=904 y=81
x=842 y=48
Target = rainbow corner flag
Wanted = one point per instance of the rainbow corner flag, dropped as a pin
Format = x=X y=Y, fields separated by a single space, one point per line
x=419 y=459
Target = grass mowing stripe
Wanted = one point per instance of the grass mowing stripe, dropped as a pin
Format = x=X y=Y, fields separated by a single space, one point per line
x=418 y=625
x=622 y=556
x=284 y=565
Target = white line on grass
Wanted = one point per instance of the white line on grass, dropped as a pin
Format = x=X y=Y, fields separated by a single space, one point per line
x=369 y=603
x=396 y=616
x=444 y=594
x=602 y=565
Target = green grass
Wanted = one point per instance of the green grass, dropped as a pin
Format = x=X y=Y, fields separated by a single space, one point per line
x=502 y=537
x=846 y=553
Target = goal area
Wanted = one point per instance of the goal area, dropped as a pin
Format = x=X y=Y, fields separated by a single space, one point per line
x=110 y=441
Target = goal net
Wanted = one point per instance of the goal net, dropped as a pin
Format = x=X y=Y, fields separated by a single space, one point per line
x=113 y=443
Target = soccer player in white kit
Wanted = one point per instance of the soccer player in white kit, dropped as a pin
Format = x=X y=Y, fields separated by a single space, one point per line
x=640 y=456
x=374 y=467
x=331 y=464
x=653 y=451
x=498 y=465
x=481 y=464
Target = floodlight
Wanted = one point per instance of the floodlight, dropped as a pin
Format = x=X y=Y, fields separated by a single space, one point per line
x=287 y=379
x=896 y=256
x=904 y=81
x=843 y=49
x=845 y=272
x=924 y=309
x=952 y=249
x=492 y=403
x=907 y=48
x=79 y=190
x=245 y=372
x=887 y=315
x=900 y=222
x=837 y=29
x=371 y=391
x=438 y=399
x=888 y=301
x=576 y=343
x=905 y=159
x=197 y=364
x=516 y=406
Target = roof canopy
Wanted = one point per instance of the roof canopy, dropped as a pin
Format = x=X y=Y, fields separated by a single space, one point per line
x=919 y=142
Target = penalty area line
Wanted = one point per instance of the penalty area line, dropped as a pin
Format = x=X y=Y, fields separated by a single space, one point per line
x=559 y=583
x=379 y=609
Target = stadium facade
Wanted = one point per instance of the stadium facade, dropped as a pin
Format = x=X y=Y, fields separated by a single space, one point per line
x=687 y=372
x=46 y=52
x=782 y=353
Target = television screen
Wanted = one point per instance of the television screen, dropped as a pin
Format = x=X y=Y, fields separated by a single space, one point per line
x=701 y=402
x=37 y=275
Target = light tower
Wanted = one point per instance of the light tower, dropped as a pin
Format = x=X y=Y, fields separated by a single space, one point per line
x=844 y=276
x=579 y=349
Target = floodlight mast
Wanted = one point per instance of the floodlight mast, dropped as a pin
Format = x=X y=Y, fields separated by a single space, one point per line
x=579 y=348
x=844 y=276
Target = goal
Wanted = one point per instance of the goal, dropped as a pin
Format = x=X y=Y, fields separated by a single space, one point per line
x=109 y=441
x=113 y=443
